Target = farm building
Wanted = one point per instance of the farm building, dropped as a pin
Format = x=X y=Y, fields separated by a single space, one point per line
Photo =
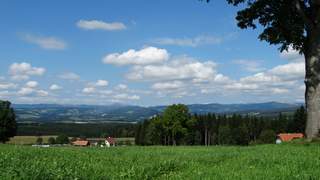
x=110 y=141
x=285 y=137
x=81 y=143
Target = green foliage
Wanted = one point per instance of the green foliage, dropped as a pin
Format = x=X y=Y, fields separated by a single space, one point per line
x=225 y=136
x=291 y=161
x=77 y=130
x=62 y=139
x=8 y=125
x=51 y=140
x=39 y=140
x=211 y=129
x=268 y=136
x=298 y=124
x=284 y=22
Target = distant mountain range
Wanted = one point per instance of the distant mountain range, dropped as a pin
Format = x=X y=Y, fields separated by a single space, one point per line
x=129 y=113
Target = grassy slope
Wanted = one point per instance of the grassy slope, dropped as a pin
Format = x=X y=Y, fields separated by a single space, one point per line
x=256 y=162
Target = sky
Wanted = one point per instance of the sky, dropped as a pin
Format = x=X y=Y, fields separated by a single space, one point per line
x=139 y=52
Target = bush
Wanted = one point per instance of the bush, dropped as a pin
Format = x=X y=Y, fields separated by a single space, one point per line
x=39 y=141
x=268 y=136
x=62 y=139
x=51 y=140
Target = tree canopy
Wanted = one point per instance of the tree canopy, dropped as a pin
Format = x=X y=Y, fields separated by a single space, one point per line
x=285 y=22
x=8 y=125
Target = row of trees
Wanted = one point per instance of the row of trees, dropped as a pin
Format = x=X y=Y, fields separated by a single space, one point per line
x=176 y=126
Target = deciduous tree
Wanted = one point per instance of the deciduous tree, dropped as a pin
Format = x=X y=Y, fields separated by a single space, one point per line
x=8 y=125
x=290 y=24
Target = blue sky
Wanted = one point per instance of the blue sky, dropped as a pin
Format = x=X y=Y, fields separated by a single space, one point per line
x=139 y=52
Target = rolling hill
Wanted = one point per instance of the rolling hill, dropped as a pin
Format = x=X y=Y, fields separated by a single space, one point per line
x=128 y=113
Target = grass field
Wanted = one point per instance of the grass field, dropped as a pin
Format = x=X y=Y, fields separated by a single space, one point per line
x=255 y=162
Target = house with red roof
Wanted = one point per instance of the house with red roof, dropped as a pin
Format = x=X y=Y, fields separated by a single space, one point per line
x=286 y=137
x=110 y=141
x=81 y=143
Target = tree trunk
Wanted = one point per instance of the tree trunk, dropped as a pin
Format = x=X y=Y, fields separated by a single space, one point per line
x=312 y=82
x=205 y=136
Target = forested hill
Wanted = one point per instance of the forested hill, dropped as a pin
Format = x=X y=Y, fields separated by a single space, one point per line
x=116 y=112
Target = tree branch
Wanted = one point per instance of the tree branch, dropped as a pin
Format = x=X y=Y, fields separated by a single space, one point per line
x=303 y=15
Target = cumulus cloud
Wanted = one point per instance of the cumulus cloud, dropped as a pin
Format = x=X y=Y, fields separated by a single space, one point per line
x=100 y=25
x=23 y=71
x=42 y=93
x=50 y=43
x=69 y=76
x=55 y=87
x=7 y=86
x=192 y=42
x=88 y=90
x=174 y=70
x=32 y=84
x=101 y=83
x=31 y=89
x=125 y=96
x=145 y=56
x=168 y=85
x=25 y=91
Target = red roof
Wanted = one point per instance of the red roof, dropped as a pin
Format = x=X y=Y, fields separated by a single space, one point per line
x=81 y=143
x=111 y=140
x=289 y=136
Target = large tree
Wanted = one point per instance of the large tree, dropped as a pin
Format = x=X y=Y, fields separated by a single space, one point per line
x=290 y=24
x=8 y=125
x=175 y=120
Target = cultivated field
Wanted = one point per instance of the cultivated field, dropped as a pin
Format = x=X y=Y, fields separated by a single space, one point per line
x=23 y=140
x=256 y=162
x=28 y=140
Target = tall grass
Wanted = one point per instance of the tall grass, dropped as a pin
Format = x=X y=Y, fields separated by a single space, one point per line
x=256 y=162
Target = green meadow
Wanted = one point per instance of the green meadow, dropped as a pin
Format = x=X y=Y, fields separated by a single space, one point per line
x=288 y=161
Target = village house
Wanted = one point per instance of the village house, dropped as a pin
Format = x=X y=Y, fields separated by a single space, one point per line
x=286 y=137
x=81 y=143
x=110 y=142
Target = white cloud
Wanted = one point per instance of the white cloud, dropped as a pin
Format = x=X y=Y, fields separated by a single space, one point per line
x=42 y=93
x=30 y=89
x=89 y=90
x=249 y=65
x=23 y=71
x=125 y=96
x=101 y=83
x=292 y=55
x=168 y=85
x=100 y=25
x=7 y=85
x=279 y=91
x=26 y=91
x=294 y=70
x=121 y=87
x=240 y=86
x=50 y=43
x=55 y=87
x=145 y=56
x=32 y=84
x=69 y=76
x=192 y=42
x=175 y=70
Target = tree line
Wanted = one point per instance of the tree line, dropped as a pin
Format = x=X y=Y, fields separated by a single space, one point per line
x=176 y=126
